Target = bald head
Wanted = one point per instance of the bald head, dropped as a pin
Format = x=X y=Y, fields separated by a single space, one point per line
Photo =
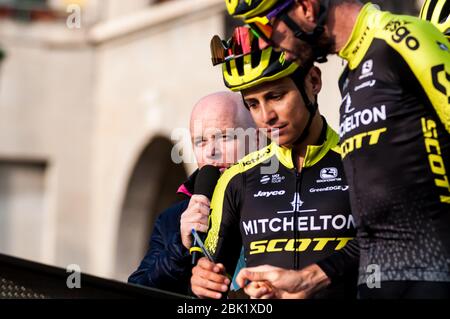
x=215 y=115
x=227 y=106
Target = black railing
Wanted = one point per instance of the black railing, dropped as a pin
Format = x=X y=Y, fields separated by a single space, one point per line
x=23 y=279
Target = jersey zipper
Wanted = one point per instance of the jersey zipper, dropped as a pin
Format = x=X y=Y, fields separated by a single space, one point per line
x=298 y=183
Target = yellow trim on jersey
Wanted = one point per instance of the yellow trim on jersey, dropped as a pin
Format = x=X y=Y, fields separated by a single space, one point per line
x=284 y=155
x=421 y=45
x=337 y=149
x=314 y=154
x=215 y=217
x=361 y=37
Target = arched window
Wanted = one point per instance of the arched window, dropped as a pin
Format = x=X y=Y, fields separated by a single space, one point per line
x=151 y=189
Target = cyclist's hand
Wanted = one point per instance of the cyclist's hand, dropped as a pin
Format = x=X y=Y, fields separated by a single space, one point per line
x=209 y=280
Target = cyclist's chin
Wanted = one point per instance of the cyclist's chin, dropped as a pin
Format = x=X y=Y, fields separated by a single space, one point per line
x=284 y=140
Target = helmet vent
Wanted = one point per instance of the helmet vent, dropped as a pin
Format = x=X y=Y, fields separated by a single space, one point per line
x=256 y=58
x=431 y=8
x=240 y=66
x=228 y=67
x=445 y=12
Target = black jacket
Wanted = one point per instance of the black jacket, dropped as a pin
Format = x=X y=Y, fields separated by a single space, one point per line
x=167 y=263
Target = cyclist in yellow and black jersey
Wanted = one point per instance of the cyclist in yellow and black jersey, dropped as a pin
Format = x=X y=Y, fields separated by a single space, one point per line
x=395 y=112
x=394 y=130
x=286 y=204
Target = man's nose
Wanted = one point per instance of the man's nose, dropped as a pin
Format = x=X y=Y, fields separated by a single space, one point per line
x=212 y=149
x=269 y=115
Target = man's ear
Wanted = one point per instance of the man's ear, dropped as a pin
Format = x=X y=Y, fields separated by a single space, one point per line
x=315 y=79
x=307 y=9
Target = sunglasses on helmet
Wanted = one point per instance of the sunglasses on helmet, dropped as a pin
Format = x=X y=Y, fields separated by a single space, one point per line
x=244 y=41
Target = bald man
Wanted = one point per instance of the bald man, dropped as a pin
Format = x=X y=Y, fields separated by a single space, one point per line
x=167 y=263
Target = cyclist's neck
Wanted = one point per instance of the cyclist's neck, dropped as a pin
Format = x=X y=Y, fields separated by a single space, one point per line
x=314 y=137
x=341 y=20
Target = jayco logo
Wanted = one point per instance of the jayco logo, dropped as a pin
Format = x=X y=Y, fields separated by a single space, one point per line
x=268 y=194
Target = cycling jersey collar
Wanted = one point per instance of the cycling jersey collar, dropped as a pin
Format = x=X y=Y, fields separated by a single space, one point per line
x=314 y=153
x=359 y=36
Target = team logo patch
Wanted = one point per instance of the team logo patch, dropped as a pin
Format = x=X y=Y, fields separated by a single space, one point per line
x=277 y=178
x=366 y=69
x=342 y=188
x=347 y=102
x=265 y=179
x=328 y=173
x=274 y=179
x=296 y=204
